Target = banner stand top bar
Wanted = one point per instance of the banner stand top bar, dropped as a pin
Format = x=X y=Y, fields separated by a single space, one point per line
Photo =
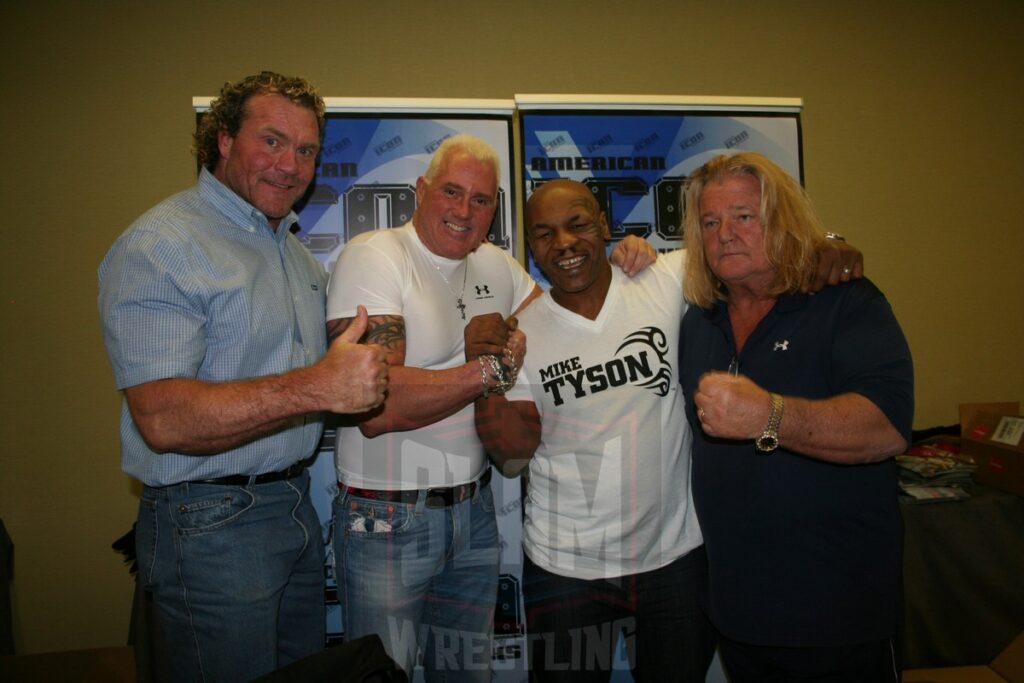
x=401 y=105
x=660 y=102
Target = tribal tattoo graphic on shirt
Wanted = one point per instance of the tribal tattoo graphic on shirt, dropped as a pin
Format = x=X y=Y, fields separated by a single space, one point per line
x=640 y=360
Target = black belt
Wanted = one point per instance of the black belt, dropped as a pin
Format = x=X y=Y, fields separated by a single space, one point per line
x=289 y=472
x=440 y=497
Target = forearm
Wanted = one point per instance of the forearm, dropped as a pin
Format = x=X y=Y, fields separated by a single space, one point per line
x=417 y=397
x=509 y=430
x=203 y=418
x=846 y=429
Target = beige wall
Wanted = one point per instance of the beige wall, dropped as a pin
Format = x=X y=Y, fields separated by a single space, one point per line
x=913 y=148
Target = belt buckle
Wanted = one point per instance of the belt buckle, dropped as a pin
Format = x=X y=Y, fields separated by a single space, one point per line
x=439 y=498
x=466 y=491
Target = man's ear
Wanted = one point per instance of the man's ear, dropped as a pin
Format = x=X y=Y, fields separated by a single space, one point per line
x=605 y=230
x=421 y=189
x=224 y=143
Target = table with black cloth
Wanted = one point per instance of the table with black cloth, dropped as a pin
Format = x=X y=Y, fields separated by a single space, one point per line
x=963 y=570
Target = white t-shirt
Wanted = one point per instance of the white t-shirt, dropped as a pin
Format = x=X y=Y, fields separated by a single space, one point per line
x=391 y=272
x=609 y=487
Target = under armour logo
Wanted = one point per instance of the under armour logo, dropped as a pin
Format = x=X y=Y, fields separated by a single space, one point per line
x=482 y=289
x=781 y=345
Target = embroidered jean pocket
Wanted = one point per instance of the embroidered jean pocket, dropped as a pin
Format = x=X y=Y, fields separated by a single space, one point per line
x=365 y=516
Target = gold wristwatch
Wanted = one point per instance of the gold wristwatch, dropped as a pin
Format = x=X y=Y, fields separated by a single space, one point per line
x=769 y=440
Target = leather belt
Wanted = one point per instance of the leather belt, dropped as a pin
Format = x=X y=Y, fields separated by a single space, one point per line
x=438 y=497
x=289 y=472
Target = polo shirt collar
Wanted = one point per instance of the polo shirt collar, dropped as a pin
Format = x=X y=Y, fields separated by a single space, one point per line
x=786 y=303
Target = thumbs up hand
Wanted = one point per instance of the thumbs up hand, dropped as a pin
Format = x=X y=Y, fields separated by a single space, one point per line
x=354 y=376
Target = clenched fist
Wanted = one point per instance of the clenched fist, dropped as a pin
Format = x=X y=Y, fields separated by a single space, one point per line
x=487 y=334
x=731 y=407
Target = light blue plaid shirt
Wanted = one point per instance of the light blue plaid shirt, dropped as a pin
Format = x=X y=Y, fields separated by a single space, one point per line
x=201 y=287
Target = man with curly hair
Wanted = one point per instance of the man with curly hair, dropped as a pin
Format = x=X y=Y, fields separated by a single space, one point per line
x=213 y=317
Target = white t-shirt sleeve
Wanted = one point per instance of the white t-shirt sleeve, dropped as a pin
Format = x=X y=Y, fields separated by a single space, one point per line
x=672 y=263
x=522 y=283
x=364 y=274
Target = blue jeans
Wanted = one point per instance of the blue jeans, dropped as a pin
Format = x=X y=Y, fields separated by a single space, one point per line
x=573 y=625
x=424 y=579
x=236 y=574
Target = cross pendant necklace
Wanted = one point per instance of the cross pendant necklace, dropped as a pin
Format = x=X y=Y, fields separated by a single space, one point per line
x=458 y=298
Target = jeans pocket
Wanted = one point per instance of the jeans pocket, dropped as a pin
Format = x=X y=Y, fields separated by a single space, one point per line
x=374 y=518
x=211 y=511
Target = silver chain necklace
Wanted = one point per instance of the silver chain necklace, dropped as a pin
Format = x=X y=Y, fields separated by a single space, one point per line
x=458 y=298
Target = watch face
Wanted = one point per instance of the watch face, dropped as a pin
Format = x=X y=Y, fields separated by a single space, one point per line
x=766 y=443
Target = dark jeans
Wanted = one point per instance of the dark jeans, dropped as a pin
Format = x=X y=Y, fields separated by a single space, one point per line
x=873 y=662
x=573 y=625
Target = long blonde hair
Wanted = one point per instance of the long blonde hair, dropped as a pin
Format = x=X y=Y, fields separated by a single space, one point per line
x=791 y=226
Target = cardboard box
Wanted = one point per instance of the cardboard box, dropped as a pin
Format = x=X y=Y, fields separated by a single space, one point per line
x=993 y=434
x=1008 y=667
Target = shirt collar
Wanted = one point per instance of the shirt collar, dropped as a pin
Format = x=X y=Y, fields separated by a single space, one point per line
x=786 y=303
x=238 y=211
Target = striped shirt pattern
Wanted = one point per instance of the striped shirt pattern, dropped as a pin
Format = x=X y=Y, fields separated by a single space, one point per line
x=201 y=287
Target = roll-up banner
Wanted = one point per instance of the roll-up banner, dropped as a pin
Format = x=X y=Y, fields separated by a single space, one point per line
x=635 y=151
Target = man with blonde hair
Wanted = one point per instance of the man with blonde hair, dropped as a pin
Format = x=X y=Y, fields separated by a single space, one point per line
x=416 y=541
x=797 y=405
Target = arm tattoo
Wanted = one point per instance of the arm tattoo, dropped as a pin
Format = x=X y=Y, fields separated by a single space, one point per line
x=388 y=331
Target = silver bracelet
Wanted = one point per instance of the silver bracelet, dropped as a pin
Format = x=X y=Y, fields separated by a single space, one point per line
x=483 y=376
x=499 y=373
x=511 y=367
x=489 y=361
x=508 y=377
